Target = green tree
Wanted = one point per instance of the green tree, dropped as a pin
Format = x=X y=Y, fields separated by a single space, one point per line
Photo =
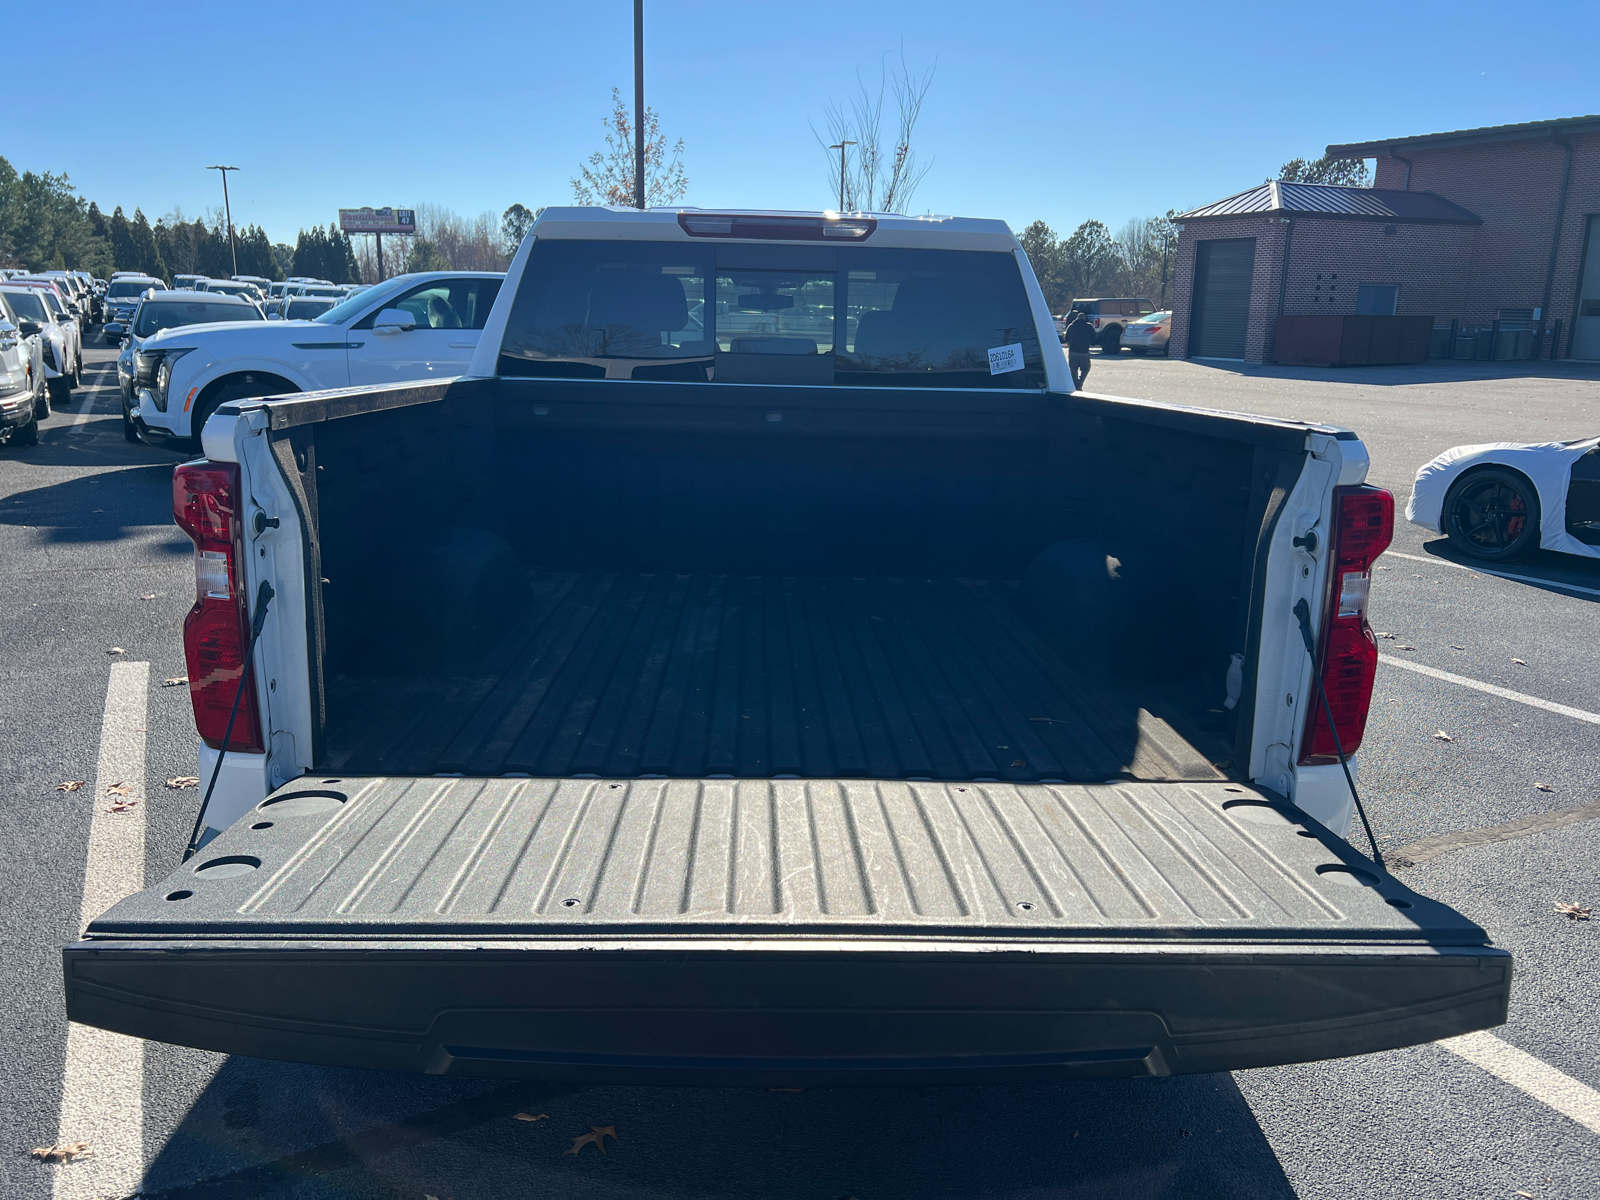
x=147 y=253
x=311 y=254
x=216 y=255
x=1044 y=251
x=1091 y=261
x=425 y=256
x=340 y=258
x=514 y=225
x=124 y=255
x=1346 y=172
x=283 y=257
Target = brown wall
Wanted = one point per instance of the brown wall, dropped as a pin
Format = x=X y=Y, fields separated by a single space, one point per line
x=1513 y=186
x=1263 y=287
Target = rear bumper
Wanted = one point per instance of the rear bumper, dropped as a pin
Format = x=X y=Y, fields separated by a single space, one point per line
x=722 y=1011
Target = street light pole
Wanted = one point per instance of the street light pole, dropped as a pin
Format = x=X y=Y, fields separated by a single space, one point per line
x=228 y=209
x=638 y=103
x=840 y=148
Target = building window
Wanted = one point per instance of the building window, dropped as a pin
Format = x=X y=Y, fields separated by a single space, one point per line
x=1377 y=299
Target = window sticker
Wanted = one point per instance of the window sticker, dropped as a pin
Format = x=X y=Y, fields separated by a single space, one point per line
x=1005 y=358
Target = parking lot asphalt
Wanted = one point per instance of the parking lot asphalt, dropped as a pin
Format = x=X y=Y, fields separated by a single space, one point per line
x=92 y=573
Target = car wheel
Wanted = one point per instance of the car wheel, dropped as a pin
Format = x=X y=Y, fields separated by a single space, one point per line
x=243 y=390
x=1492 y=514
x=58 y=389
x=129 y=429
x=26 y=435
x=1111 y=343
x=77 y=370
x=41 y=402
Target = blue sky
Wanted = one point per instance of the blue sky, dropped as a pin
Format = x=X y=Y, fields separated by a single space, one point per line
x=1063 y=111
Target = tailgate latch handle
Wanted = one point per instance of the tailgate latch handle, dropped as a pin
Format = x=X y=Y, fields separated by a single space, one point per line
x=264 y=522
x=1308 y=542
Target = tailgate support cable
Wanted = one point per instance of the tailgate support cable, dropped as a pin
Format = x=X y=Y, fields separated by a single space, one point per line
x=1302 y=612
x=263 y=598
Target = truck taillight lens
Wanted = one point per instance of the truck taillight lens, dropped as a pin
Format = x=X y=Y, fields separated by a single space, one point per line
x=216 y=633
x=1363 y=526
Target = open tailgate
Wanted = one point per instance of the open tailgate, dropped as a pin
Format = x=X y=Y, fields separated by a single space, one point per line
x=750 y=931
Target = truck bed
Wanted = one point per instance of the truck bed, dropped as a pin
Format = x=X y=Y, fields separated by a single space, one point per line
x=776 y=932
x=703 y=675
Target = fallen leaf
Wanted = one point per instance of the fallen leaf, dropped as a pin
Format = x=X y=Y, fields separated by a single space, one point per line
x=119 y=789
x=1544 y=787
x=1398 y=646
x=71 y=785
x=151 y=596
x=1529 y=1195
x=176 y=681
x=184 y=781
x=596 y=1136
x=121 y=806
x=1453 y=646
x=1519 y=662
x=1442 y=736
x=1224 y=765
x=62 y=1152
x=116 y=650
x=1390 y=636
x=533 y=1116
x=1574 y=912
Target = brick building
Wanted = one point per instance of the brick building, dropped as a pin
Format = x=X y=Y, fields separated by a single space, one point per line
x=1495 y=233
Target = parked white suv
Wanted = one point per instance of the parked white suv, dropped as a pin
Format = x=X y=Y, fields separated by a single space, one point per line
x=412 y=327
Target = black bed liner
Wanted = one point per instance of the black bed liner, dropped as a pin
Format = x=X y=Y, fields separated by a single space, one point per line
x=701 y=675
x=761 y=931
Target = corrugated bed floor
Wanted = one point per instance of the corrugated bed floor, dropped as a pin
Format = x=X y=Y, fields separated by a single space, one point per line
x=703 y=676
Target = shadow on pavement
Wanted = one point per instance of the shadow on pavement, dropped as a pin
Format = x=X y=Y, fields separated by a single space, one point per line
x=1432 y=371
x=105 y=506
x=1543 y=569
x=263 y=1128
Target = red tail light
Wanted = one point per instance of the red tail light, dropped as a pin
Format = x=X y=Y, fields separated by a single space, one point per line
x=1363 y=526
x=205 y=503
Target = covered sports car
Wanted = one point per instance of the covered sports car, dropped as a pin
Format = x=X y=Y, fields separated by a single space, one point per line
x=1503 y=499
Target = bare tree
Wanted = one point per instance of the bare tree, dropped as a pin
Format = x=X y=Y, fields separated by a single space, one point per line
x=607 y=178
x=877 y=178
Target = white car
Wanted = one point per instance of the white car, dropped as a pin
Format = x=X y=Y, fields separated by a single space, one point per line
x=1503 y=499
x=20 y=408
x=63 y=360
x=1148 y=333
x=411 y=327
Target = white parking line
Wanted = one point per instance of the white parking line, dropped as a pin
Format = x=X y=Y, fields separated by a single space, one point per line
x=1577 y=714
x=1531 y=1075
x=102 y=1087
x=83 y=413
x=1445 y=562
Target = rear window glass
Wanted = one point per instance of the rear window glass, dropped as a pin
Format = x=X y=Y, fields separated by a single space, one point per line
x=130 y=287
x=156 y=315
x=750 y=313
x=303 y=309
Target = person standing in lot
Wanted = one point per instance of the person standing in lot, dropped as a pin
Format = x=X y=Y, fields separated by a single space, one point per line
x=1079 y=336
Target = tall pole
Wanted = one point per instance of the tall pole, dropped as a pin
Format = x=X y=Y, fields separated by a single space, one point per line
x=638 y=103
x=228 y=209
x=840 y=148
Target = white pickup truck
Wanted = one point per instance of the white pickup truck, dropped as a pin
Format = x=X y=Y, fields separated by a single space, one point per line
x=423 y=326
x=761 y=668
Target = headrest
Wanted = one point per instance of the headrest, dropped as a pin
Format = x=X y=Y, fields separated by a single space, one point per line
x=638 y=299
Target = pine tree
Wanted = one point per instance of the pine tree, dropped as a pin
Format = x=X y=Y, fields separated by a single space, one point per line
x=124 y=255
x=144 y=245
x=216 y=257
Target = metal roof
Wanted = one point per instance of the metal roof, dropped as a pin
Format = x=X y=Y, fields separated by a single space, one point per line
x=1338 y=203
x=1469 y=137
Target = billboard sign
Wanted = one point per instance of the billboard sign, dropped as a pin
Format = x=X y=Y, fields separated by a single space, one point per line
x=378 y=220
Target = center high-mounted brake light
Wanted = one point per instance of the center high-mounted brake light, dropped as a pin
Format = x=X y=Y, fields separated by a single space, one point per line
x=1363 y=526
x=774 y=227
x=216 y=633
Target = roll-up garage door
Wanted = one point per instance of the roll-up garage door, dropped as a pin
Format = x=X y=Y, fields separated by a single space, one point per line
x=1221 y=308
